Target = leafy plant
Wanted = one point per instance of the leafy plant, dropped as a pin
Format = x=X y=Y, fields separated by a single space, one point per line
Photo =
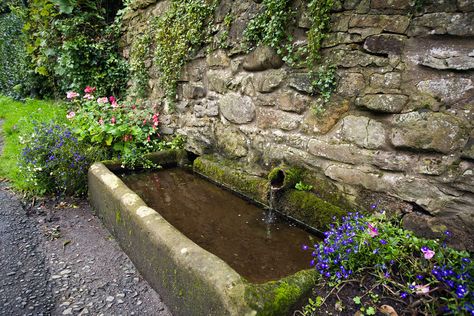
x=15 y=79
x=428 y=272
x=54 y=161
x=71 y=44
x=129 y=130
x=301 y=186
x=178 y=34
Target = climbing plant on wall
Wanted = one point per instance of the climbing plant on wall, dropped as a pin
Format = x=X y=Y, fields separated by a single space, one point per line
x=179 y=33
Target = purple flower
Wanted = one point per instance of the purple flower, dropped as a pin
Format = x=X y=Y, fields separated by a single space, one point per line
x=383 y=241
x=461 y=291
x=427 y=252
x=403 y=295
x=304 y=247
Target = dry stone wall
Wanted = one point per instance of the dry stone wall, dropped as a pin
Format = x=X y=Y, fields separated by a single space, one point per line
x=398 y=129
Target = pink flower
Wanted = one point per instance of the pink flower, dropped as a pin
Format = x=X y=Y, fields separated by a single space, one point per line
x=89 y=90
x=112 y=99
x=114 y=104
x=155 y=123
x=148 y=139
x=101 y=121
x=112 y=120
x=427 y=253
x=372 y=230
x=88 y=96
x=102 y=100
x=422 y=289
x=155 y=117
x=72 y=95
x=70 y=115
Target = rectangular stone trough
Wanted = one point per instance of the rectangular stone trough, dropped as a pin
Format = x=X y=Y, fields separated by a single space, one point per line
x=191 y=280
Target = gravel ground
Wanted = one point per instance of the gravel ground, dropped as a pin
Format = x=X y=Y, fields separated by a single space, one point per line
x=56 y=258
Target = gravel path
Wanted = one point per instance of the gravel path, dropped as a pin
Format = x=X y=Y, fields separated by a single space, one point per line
x=56 y=258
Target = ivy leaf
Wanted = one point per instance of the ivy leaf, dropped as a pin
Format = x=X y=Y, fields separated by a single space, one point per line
x=370 y=311
x=65 y=6
x=356 y=300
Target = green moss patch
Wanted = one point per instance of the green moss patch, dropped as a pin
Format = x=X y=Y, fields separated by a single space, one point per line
x=223 y=173
x=277 y=297
x=308 y=208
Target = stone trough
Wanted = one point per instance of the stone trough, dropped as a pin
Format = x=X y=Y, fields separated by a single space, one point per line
x=191 y=280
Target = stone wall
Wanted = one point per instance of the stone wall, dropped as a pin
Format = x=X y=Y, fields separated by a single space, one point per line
x=398 y=130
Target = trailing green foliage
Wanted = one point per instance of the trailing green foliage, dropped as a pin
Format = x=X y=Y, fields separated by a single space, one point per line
x=20 y=119
x=140 y=51
x=14 y=77
x=270 y=26
x=319 y=14
x=178 y=34
x=71 y=50
x=301 y=186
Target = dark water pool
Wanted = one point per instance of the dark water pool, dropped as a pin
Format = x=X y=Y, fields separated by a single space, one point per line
x=224 y=224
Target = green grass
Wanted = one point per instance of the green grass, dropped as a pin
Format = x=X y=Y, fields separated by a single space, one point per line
x=19 y=121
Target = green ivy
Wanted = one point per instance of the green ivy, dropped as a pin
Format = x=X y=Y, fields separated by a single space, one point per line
x=178 y=34
x=270 y=28
x=139 y=52
x=319 y=13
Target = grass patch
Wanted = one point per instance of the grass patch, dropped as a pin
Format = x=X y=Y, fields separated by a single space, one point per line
x=19 y=121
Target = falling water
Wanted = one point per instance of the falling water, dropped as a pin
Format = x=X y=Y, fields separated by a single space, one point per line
x=270 y=216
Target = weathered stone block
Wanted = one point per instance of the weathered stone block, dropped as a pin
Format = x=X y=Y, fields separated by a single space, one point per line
x=230 y=141
x=206 y=108
x=428 y=131
x=346 y=153
x=390 y=103
x=448 y=90
x=452 y=62
x=465 y=5
x=263 y=57
x=323 y=123
x=363 y=131
x=351 y=84
x=384 y=44
x=293 y=102
x=390 y=4
x=191 y=91
x=388 y=23
x=219 y=80
x=237 y=108
x=334 y=39
x=269 y=80
x=300 y=82
x=459 y=24
x=354 y=58
x=217 y=59
x=270 y=118
x=339 y=22
x=468 y=151
x=389 y=80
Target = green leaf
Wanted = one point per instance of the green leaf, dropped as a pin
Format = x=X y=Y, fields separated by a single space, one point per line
x=108 y=140
x=370 y=311
x=356 y=300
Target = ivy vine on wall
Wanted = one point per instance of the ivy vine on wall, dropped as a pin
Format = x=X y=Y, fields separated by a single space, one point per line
x=178 y=34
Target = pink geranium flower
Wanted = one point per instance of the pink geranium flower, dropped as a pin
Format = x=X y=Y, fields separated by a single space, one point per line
x=88 y=96
x=72 y=95
x=112 y=120
x=102 y=100
x=101 y=121
x=70 y=115
x=427 y=253
x=112 y=99
x=114 y=104
x=89 y=89
x=372 y=230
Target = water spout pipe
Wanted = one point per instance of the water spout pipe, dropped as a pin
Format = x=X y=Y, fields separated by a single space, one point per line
x=284 y=177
